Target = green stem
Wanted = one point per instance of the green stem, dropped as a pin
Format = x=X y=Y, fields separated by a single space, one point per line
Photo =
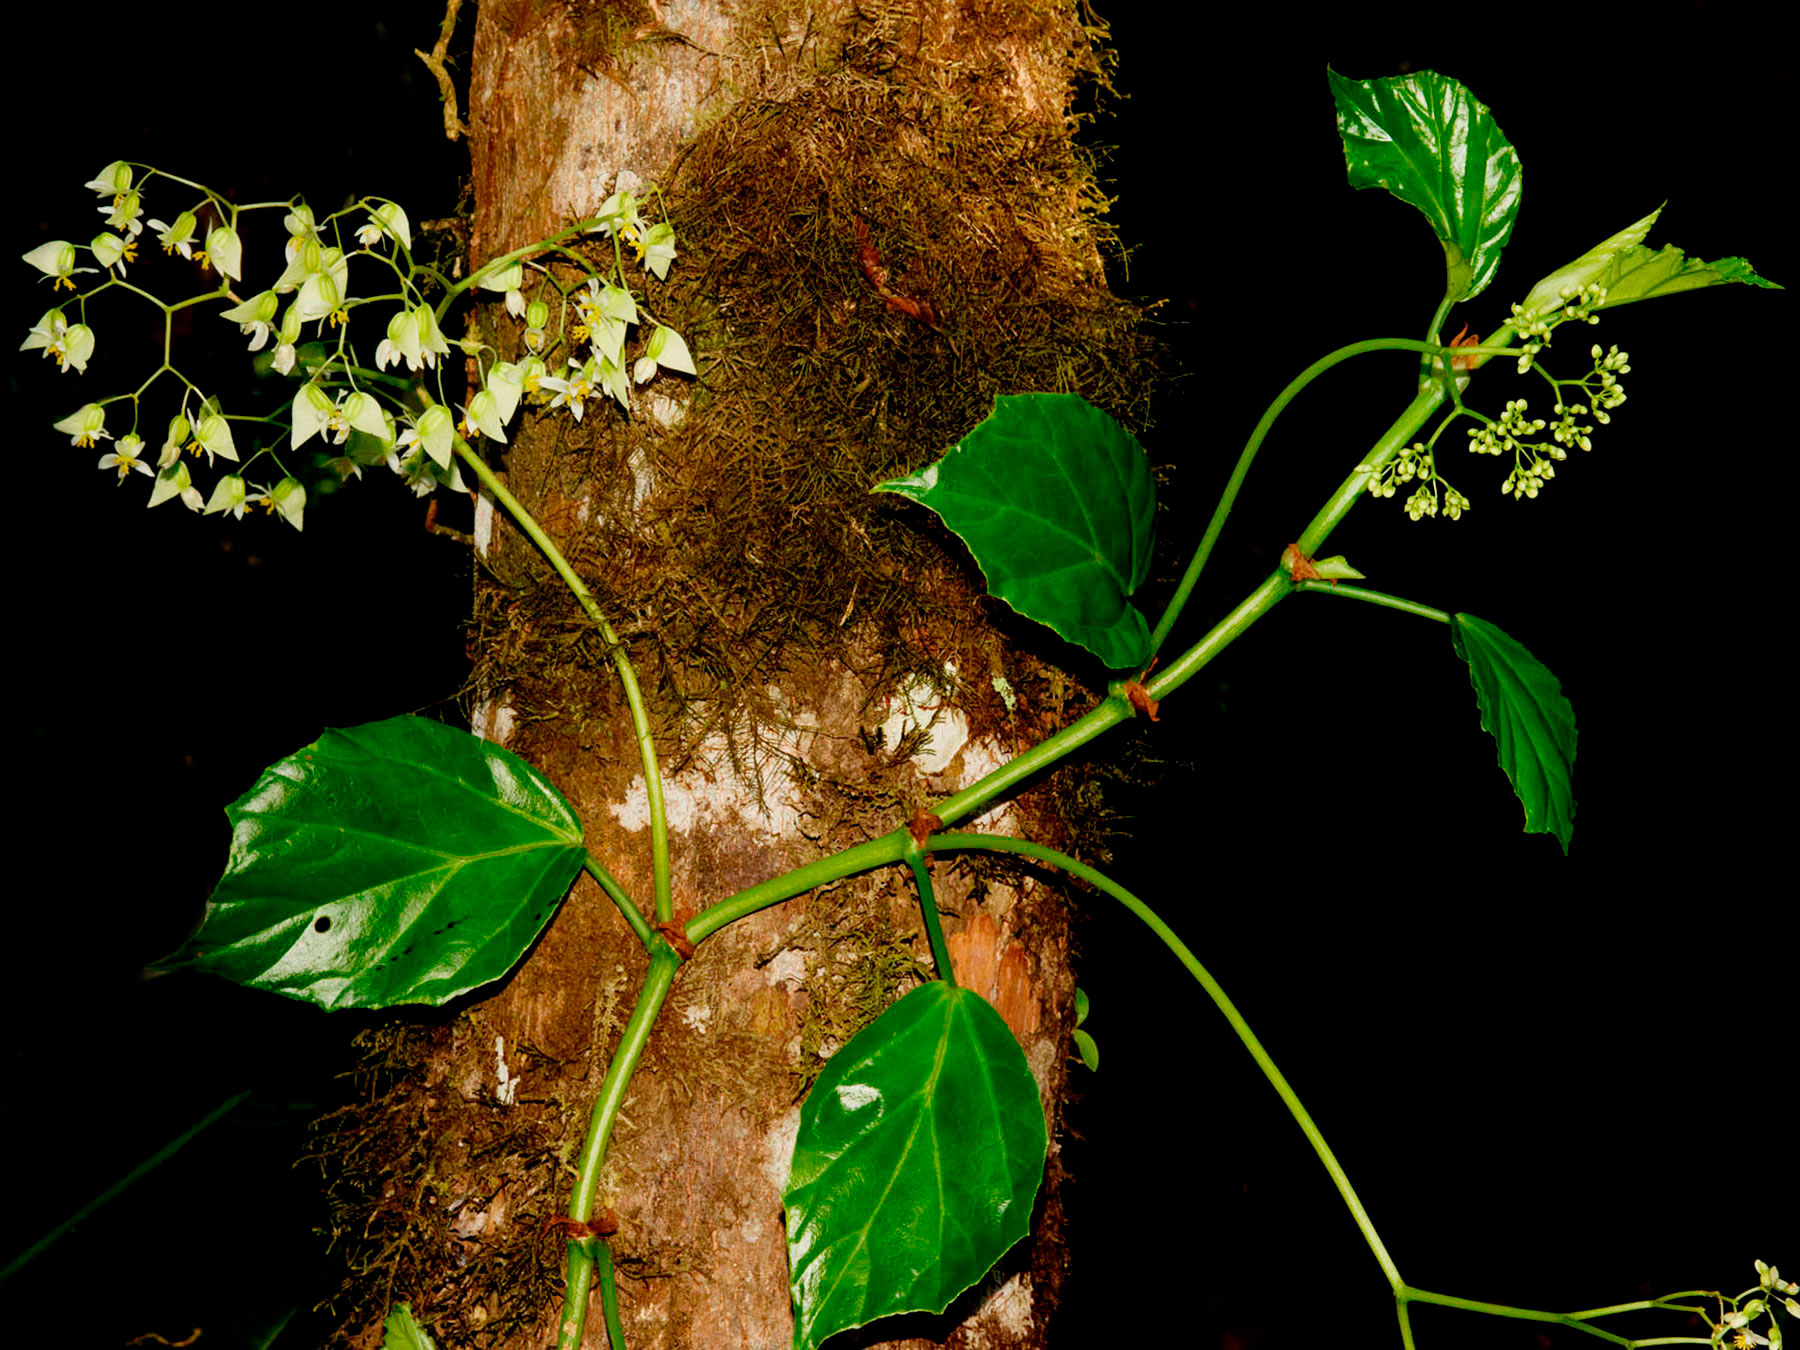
x=890 y=848
x=1374 y=598
x=663 y=965
x=1274 y=410
x=1426 y=402
x=610 y=884
x=640 y=717
x=1408 y=1294
x=934 y=928
x=1001 y=844
x=609 y=1294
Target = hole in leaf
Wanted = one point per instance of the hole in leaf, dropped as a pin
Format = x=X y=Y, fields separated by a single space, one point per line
x=322 y=924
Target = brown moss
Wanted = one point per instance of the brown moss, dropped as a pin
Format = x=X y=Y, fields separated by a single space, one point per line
x=760 y=538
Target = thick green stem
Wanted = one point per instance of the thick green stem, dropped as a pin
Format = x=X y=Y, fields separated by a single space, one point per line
x=1214 y=991
x=634 y=699
x=1405 y=428
x=663 y=965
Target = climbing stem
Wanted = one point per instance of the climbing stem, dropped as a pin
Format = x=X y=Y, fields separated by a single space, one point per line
x=1198 y=563
x=1101 y=882
x=634 y=699
x=663 y=964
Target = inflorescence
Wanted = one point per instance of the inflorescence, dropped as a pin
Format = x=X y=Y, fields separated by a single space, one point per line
x=1515 y=432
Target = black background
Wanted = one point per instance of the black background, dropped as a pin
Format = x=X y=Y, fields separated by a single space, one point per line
x=1554 y=1080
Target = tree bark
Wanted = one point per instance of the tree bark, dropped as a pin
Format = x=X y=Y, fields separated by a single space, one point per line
x=819 y=663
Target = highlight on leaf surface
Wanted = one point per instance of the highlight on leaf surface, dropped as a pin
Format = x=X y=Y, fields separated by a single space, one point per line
x=1057 y=503
x=1522 y=706
x=916 y=1164
x=396 y=862
x=1429 y=141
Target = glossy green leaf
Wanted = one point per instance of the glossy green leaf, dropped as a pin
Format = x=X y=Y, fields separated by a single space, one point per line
x=1631 y=271
x=1523 y=708
x=1081 y=1005
x=1426 y=139
x=397 y=862
x=400 y=1332
x=918 y=1157
x=1056 y=502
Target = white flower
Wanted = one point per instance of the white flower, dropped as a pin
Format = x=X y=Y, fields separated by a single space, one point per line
x=228 y=496
x=85 y=425
x=362 y=413
x=111 y=251
x=507 y=280
x=175 y=481
x=288 y=497
x=312 y=414
x=484 y=415
x=56 y=260
x=175 y=442
x=299 y=225
x=176 y=238
x=226 y=251
x=114 y=179
x=389 y=220
x=255 y=317
x=71 y=346
x=402 y=343
x=122 y=215
x=214 y=434
x=125 y=459
x=572 y=391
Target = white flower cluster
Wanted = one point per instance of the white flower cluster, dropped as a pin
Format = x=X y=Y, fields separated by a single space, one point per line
x=340 y=401
x=1578 y=305
x=1737 y=1328
x=1416 y=462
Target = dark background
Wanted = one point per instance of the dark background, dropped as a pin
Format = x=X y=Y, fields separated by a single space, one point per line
x=1554 y=1080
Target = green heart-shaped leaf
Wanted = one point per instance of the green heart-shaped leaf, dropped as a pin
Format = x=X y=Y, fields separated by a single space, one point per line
x=396 y=862
x=918 y=1157
x=1056 y=502
x=1426 y=139
x=1523 y=708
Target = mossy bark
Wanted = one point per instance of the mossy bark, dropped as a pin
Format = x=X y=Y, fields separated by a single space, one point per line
x=819 y=662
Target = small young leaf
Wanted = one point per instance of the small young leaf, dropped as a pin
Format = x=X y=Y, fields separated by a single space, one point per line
x=1081 y=1005
x=396 y=862
x=400 y=1332
x=918 y=1157
x=1631 y=271
x=1090 y=1053
x=1426 y=139
x=1523 y=708
x=1056 y=502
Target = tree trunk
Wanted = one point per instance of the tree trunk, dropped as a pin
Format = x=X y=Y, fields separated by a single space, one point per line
x=819 y=663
